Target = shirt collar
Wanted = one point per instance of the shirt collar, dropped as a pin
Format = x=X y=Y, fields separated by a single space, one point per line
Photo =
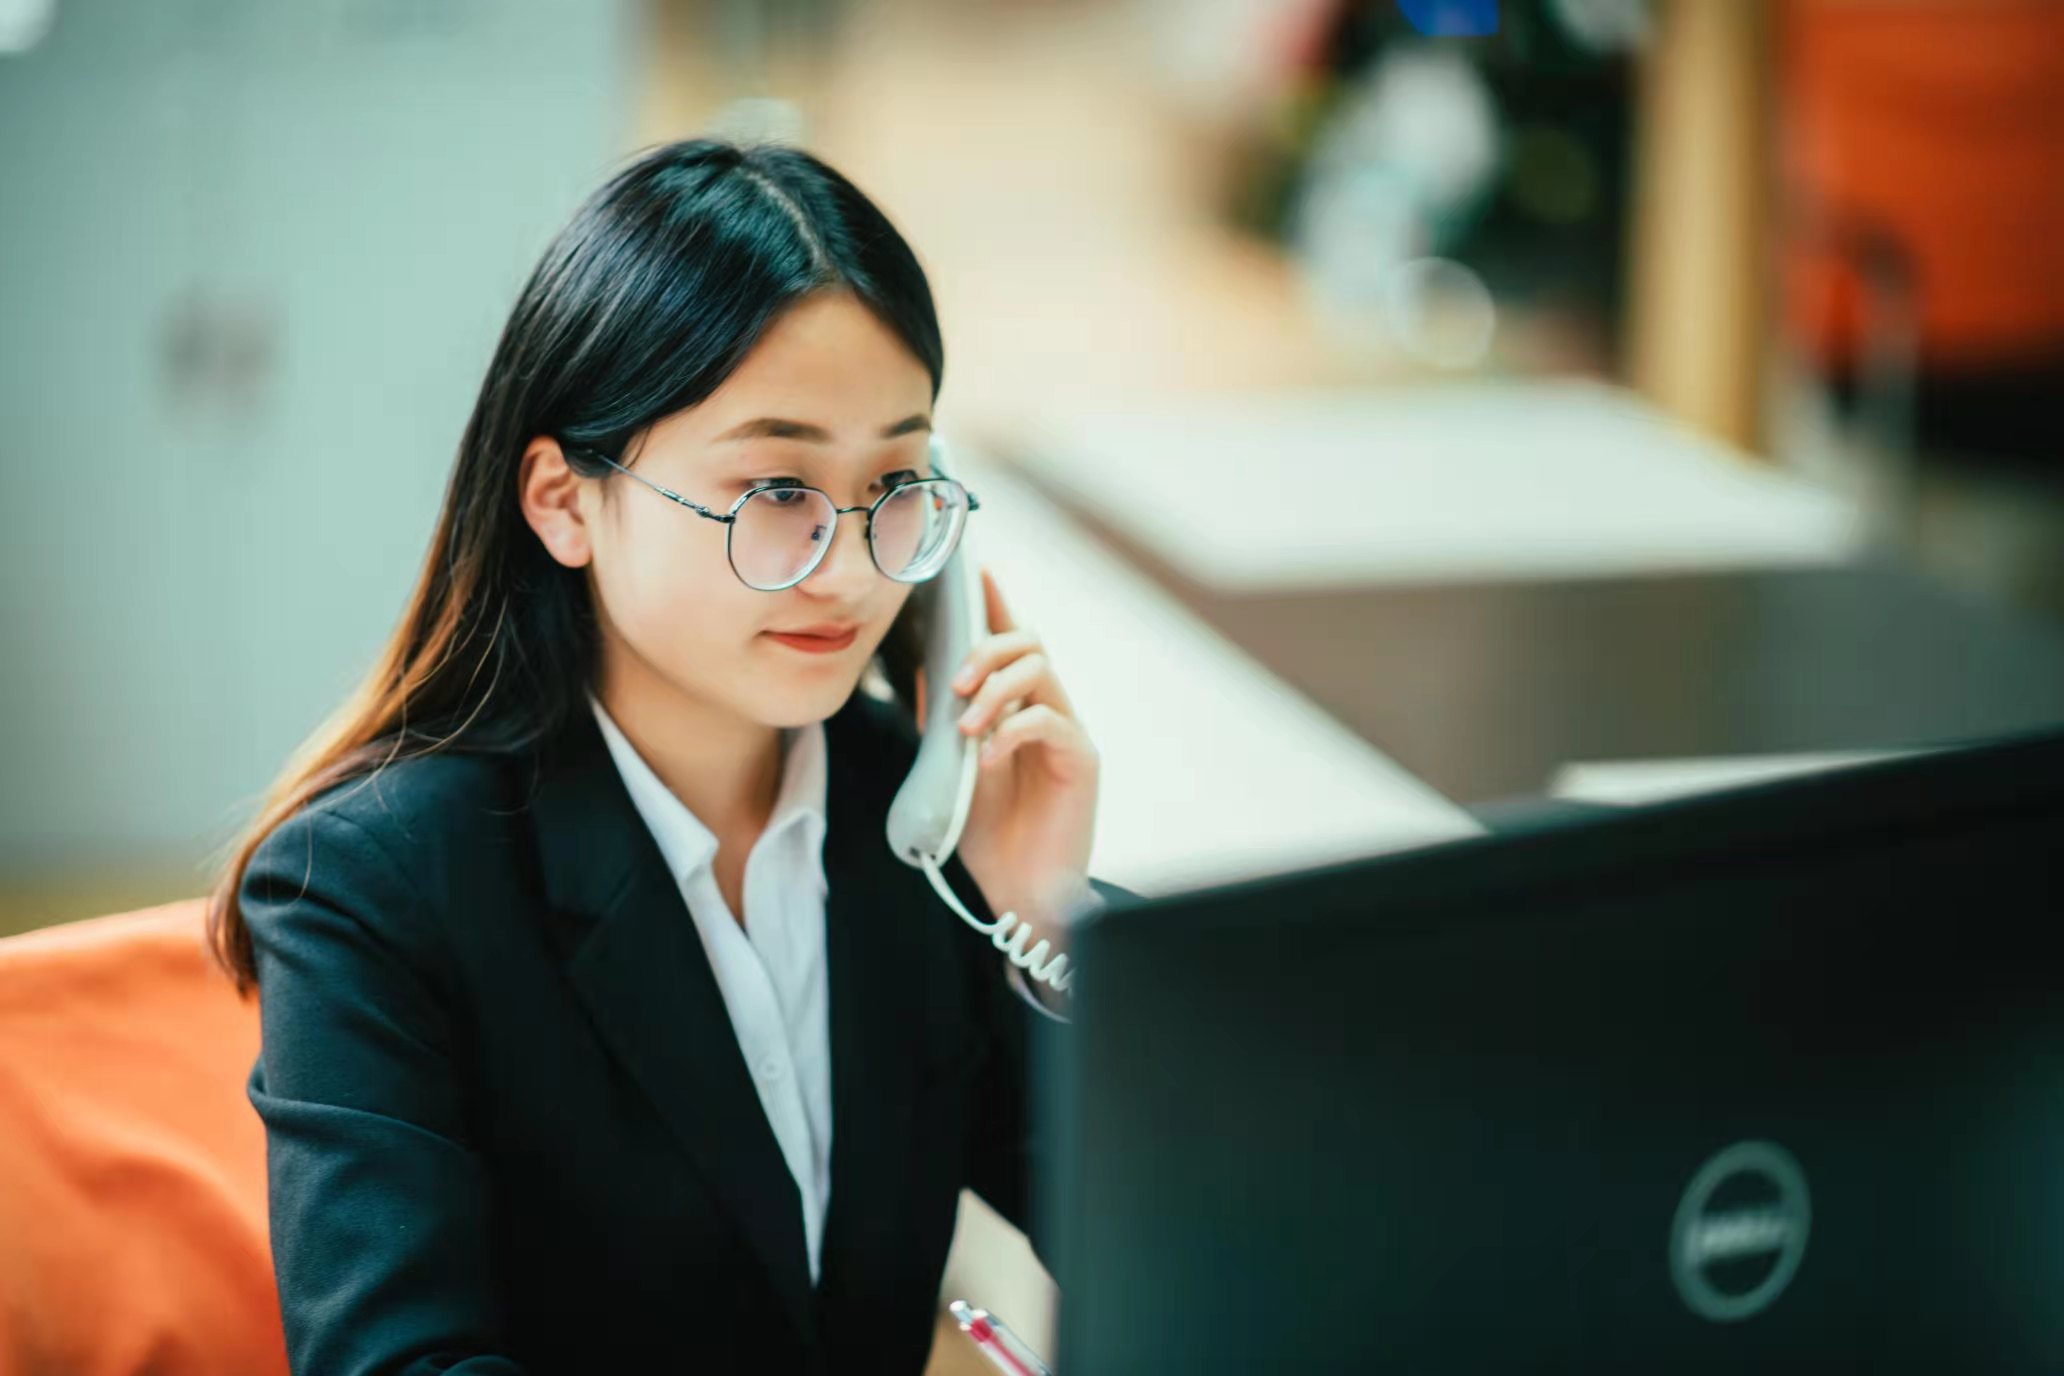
x=687 y=845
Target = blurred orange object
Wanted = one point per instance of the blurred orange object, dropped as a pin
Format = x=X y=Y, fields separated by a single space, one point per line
x=132 y=1166
x=1921 y=140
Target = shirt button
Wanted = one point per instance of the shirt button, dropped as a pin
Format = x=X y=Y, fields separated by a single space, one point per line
x=770 y=1069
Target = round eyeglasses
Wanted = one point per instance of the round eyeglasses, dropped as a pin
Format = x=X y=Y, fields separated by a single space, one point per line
x=777 y=534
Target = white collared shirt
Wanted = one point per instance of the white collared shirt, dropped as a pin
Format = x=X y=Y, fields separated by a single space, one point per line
x=771 y=970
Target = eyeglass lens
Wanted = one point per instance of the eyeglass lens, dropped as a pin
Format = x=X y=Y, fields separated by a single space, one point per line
x=781 y=533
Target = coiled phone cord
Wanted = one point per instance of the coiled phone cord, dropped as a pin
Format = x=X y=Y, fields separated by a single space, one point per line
x=1009 y=935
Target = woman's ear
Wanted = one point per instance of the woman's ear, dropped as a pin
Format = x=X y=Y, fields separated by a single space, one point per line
x=550 y=493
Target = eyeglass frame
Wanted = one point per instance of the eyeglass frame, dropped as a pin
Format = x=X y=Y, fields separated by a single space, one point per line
x=730 y=518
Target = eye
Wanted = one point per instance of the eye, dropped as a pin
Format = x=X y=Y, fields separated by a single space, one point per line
x=883 y=483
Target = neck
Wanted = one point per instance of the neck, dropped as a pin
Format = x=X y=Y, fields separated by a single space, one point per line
x=724 y=769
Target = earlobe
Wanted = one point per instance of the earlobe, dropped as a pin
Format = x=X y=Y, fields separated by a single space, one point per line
x=550 y=494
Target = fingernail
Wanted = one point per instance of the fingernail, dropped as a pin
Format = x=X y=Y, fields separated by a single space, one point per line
x=962 y=679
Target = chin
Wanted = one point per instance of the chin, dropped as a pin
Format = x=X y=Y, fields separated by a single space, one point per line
x=802 y=705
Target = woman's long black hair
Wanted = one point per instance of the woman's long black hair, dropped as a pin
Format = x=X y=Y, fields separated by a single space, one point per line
x=644 y=304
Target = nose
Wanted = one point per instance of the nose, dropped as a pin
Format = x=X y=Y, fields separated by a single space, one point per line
x=847 y=572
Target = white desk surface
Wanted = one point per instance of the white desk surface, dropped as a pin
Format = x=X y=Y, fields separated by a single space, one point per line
x=1454 y=482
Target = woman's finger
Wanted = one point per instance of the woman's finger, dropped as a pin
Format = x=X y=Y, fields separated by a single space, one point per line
x=1039 y=724
x=1024 y=678
x=987 y=655
x=998 y=613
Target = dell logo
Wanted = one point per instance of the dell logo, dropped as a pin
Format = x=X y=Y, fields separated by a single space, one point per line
x=1740 y=1231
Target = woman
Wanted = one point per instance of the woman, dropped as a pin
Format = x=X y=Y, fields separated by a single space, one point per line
x=600 y=1025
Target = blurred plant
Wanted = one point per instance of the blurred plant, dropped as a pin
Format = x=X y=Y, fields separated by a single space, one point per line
x=1396 y=175
x=1415 y=177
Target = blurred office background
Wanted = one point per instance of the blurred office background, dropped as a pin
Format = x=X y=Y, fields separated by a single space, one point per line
x=1387 y=409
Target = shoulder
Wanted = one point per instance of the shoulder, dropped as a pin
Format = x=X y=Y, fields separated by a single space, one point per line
x=428 y=801
x=388 y=842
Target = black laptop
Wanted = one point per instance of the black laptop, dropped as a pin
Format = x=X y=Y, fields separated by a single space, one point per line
x=1766 y=1080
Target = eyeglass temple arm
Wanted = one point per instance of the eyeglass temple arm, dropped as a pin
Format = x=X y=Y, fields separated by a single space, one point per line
x=974 y=502
x=697 y=507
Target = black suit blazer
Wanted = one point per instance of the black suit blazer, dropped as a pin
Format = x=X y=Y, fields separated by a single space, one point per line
x=509 y=1127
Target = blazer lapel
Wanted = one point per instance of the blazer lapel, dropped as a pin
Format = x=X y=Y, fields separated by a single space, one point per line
x=646 y=983
x=886 y=1025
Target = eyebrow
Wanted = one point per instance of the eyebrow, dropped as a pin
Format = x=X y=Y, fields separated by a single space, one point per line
x=770 y=427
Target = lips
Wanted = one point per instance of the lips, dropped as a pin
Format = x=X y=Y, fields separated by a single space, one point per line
x=814 y=643
x=827 y=630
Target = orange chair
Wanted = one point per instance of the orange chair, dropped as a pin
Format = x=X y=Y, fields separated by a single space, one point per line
x=1921 y=140
x=132 y=1168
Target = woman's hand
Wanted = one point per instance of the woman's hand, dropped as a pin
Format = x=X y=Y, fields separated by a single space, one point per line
x=1033 y=818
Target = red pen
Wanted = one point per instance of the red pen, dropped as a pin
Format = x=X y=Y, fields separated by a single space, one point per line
x=1004 y=1349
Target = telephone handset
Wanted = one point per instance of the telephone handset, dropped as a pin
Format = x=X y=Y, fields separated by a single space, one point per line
x=932 y=806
